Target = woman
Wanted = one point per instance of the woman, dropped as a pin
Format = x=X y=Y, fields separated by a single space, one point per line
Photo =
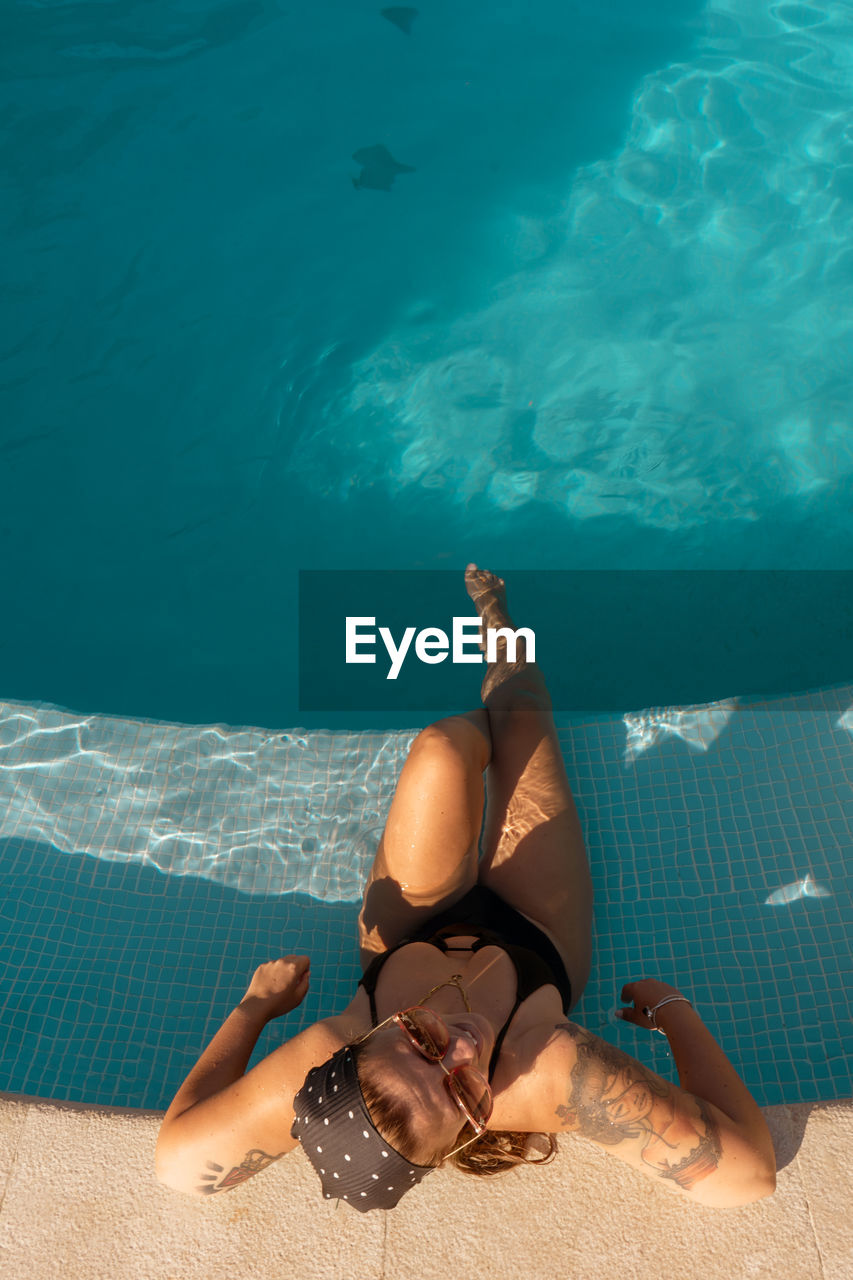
x=457 y=1043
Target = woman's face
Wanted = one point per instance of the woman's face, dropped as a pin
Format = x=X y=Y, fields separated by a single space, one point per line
x=627 y=1099
x=413 y=1075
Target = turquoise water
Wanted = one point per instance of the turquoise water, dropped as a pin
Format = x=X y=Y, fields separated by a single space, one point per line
x=146 y=869
x=599 y=320
x=603 y=323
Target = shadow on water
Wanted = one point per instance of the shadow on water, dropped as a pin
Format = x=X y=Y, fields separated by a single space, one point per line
x=115 y=976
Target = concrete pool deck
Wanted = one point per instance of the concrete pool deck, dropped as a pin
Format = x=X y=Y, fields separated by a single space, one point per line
x=79 y=1201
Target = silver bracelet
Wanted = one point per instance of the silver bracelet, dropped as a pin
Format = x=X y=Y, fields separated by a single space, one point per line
x=650 y=1013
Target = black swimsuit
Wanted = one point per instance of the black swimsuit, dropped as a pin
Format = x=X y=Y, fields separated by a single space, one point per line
x=484 y=915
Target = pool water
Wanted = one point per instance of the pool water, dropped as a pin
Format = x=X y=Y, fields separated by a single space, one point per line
x=292 y=287
x=146 y=869
x=602 y=324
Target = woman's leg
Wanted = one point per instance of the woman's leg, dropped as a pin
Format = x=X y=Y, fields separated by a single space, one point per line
x=427 y=857
x=533 y=849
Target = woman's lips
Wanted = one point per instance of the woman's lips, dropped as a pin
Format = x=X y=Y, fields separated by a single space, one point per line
x=476 y=1035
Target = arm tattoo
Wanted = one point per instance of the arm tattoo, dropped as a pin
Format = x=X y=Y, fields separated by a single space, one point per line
x=253 y=1162
x=614 y=1098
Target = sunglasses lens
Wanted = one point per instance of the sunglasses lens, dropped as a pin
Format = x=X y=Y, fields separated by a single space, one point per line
x=426 y=1031
x=473 y=1092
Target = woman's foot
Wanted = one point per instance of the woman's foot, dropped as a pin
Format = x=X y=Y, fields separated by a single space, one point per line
x=488 y=593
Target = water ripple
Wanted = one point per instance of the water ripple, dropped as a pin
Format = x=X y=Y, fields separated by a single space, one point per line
x=668 y=346
x=258 y=811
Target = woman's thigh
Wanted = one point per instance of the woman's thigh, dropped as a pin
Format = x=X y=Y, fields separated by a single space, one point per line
x=427 y=857
x=533 y=848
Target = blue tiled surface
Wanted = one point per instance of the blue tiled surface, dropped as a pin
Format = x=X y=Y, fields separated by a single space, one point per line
x=115 y=973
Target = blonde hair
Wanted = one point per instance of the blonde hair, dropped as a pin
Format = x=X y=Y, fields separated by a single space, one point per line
x=495 y=1151
x=499 y=1150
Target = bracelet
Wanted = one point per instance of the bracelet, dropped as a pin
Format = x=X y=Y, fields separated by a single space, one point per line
x=650 y=1013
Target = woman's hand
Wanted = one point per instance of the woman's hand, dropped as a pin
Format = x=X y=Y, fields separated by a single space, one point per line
x=279 y=985
x=645 y=994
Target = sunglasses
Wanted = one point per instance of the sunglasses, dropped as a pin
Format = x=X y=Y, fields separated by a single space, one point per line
x=429 y=1034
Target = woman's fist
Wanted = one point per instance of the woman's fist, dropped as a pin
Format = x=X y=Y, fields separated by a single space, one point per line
x=644 y=994
x=281 y=984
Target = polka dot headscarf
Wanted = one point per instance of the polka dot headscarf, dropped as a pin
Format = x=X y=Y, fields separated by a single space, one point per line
x=354 y=1161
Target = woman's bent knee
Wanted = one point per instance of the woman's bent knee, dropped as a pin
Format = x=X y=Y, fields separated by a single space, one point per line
x=455 y=740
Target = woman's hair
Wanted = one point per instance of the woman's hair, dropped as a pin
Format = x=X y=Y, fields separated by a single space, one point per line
x=493 y=1152
x=498 y=1150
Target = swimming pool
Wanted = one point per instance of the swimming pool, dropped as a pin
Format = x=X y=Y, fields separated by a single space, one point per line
x=147 y=869
x=602 y=325
x=596 y=322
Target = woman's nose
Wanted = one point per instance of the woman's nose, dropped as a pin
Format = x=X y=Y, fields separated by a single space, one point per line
x=461 y=1051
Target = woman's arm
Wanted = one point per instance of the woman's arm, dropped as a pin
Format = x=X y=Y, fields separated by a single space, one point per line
x=276 y=988
x=223 y=1126
x=703 y=1068
x=705 y=1139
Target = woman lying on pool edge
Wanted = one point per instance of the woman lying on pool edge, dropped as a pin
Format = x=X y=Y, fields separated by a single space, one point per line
x=457 y=1045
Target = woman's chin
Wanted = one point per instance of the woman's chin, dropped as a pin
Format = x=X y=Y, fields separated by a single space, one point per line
x=486 y=1036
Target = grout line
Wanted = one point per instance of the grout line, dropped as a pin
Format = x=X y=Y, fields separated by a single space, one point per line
x=808 y=1201
x=14 y=1161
